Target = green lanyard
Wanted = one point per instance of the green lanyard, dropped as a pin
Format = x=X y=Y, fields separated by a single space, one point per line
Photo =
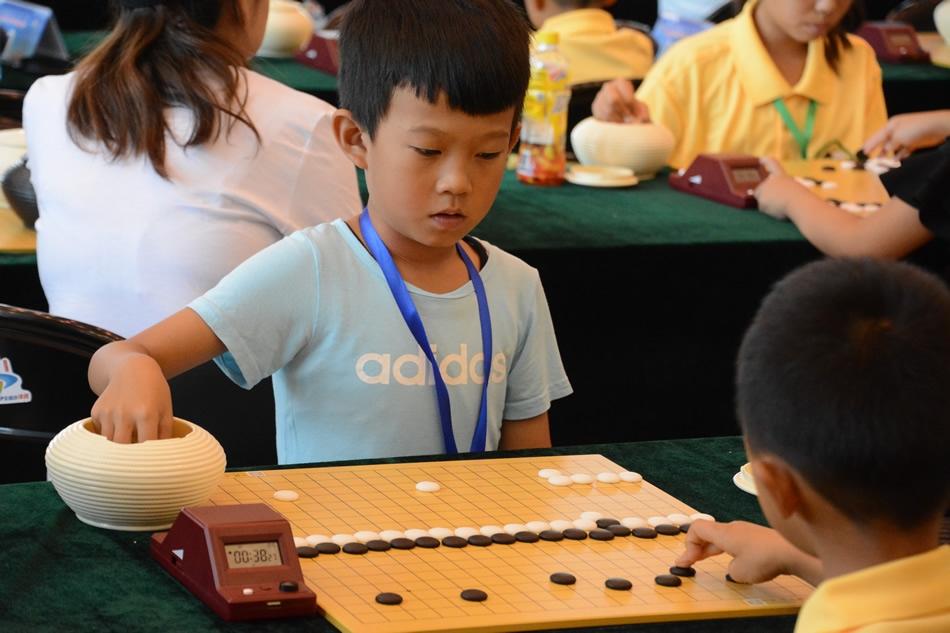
x=802 y=138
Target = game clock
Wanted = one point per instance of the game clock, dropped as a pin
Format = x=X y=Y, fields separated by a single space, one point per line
x=240 y=560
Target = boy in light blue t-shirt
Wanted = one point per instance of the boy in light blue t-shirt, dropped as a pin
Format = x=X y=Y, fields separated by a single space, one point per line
x=376 y=329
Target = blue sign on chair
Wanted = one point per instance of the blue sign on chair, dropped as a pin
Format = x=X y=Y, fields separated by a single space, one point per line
x=31 y=31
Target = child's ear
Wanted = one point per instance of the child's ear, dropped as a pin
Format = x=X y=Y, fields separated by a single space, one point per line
x=780 y=483
x=350 y=137
x=515 y=135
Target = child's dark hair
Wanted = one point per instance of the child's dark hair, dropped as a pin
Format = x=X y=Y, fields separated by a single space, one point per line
x=474 y=51
x=845 y=375
x=159 y=55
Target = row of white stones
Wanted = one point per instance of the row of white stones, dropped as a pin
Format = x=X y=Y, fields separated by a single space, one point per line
x=587 y=522
x=557 y=478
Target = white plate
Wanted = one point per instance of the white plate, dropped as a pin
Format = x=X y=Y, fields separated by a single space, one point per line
x=596 y=176
x=744 y=483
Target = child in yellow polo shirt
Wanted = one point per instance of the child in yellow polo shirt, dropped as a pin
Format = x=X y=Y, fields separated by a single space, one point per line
x=782 y=79
x=841 y=391
x=596 y=50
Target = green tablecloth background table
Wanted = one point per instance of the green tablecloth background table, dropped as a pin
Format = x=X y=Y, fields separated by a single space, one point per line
x=58 y=574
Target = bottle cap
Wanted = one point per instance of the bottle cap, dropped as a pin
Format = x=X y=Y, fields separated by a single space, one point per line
x=547 y=37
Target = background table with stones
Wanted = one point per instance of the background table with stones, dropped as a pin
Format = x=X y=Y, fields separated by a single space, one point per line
x=60 y=574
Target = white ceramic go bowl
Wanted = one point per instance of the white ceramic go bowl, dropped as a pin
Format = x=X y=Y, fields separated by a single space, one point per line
x=135 y=487
x=643 y=147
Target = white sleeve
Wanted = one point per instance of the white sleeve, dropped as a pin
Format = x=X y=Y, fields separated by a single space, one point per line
x=264 y=311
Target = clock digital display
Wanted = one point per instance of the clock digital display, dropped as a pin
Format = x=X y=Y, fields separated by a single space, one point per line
x=744 y=175
x=242 y=555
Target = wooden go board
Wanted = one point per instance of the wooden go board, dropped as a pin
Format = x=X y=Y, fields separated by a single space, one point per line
x=515 y=577
x=850 y=185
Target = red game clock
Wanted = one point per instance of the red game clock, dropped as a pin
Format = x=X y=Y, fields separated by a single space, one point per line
x=239 y=559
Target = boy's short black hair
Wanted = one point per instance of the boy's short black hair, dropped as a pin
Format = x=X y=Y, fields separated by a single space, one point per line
x=845 y=374
x=475 y=51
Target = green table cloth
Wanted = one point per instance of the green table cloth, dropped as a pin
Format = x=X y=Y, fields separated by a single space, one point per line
x=58 y=574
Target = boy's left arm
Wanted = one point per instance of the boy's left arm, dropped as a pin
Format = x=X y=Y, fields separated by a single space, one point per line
x=529 y=433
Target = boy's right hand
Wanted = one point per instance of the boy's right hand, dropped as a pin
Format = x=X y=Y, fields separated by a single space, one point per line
x=904 y=133
x=758 y=553
x=136 y=405
x=615 y=102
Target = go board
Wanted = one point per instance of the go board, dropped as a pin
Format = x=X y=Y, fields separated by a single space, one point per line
x=515 y=577
x=830 y=180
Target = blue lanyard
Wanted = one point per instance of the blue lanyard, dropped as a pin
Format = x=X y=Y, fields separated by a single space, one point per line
x=408 y=309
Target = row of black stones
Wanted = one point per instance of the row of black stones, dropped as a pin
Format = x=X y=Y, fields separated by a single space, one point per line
x=562 y=578
x=607 y=529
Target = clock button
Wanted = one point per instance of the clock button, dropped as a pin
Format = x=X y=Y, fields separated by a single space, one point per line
x=288 y=586
x=247 y=591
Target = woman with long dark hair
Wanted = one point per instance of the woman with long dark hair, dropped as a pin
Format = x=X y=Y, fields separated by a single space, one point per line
x=162 y=162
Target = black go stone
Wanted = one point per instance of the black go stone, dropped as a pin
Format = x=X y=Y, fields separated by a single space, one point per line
x=601 y=535
x=575 y=534
x=402 y=543
x=307 y=552
x=527 y=537
x=685 y=572
x=644 y=532
x=328 y=548
x=428 y=542
x=619 y=530
x=667 y=530
x=479 y=540
x=454 y=541
x=668 y=580
x=474 y=595
x=685 y=528
x=389 y=598
x=355 y=548
x=606 y=523
x=619 y=584
x=551 y=535
x=378 y=545
x=563 y=578
x=503 y=538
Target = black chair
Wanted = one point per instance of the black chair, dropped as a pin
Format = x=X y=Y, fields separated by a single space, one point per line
x=43 y=365
x=43 y=362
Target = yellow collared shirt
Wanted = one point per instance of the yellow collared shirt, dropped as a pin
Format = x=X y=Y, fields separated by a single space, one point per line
x=715 y=92
x=909 y=595
x=596 y=50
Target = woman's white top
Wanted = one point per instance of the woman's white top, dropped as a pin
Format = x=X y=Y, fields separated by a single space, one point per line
x=122 y=248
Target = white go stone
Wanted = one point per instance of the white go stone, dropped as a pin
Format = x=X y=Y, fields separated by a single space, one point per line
x=427 y=486
x=633 y=522
x=315 y=539
x=466 y=532
x=582 y=478
x=701 y=515
x=388 y=535
x=286 y=495
x=585 y=524
x=677 y=519
x=415 y=533
x=591 y=515
x=829 y=184
x=514 y=528
x=538 y=526
x=490 y=530
x=608 y=478
x=546 y=473
x=848 y=164
x=657 y=520
x=805 y=182
x=560 y=525
x=851 y=207
x=560 y=480
x=343 y=539
x=630 y=477
x=364 y=536
x=439 y=532
x=301 y=541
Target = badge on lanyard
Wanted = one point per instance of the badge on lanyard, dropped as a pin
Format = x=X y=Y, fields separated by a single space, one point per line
x=408 y=310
